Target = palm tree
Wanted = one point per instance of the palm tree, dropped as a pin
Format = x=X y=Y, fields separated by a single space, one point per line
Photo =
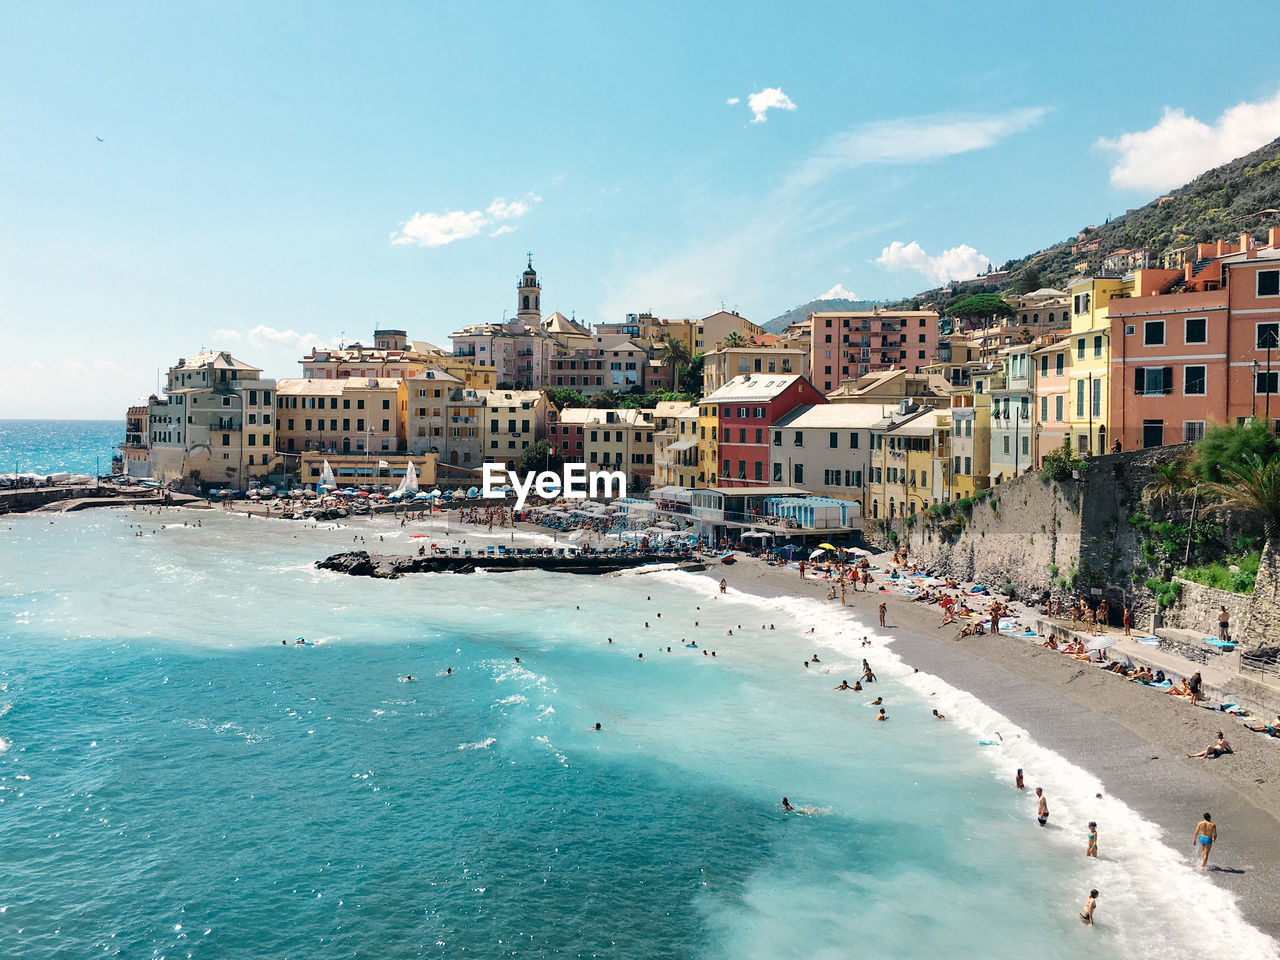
x=1252 y=487
x=1171 y=479
x=675 y=354
x=735 y=339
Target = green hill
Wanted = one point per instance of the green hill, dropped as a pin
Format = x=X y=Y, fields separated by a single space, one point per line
x=1237 y=197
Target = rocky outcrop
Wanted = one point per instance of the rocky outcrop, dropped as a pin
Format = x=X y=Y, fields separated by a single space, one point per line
x=358 y=563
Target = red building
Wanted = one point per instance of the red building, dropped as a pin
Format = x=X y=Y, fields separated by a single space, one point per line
x=746 y=408
x=1181 y=361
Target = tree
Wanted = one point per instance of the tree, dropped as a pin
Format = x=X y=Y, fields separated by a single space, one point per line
x=539 y=456
x=674 y=354
x=605 y=398
x=1252 y=487
x=689 y=378
x=735 y=339
x=562 y=397
x=1223 y=447
x=1170 y=480
x=1028 y=280
x=980 y=306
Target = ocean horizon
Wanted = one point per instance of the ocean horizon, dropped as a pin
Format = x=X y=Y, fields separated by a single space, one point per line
x=48 y=446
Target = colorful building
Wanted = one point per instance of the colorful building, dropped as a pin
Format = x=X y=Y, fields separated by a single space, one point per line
x=845 y=346
x=748 y=408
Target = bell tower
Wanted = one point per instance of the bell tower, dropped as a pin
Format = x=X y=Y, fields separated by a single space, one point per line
x=529 y=297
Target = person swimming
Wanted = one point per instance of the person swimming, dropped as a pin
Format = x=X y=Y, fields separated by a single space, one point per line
x=877 y=701
x=940 y=716
x=844 y=685
x=882 y=715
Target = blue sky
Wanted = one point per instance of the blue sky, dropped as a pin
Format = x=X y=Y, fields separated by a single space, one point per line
x=272 y=176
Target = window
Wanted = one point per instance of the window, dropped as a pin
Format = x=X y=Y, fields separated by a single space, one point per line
x=1097 y=398
x=1080 y=397
x=1061 y=361
x=956 y=468
x=834 y=440
x=1044 y=409
x=1193 y=381
x=1097 y=345
x=777 y=473
x=799 y=473
x=1153 y=333
x=1006 y=443
x=1192 y=431
x=1080 y=349
x=1044 y=365
x=1026 y=446
x=968 y=465
x=799 y=439
x=1057 y=408
x=1152 y=433
x=1269 y=283
x=759 y=470
x=1268 y=336
x=1197 y=330
x=1266 y=382
x=777 y=438
x=1153 y=381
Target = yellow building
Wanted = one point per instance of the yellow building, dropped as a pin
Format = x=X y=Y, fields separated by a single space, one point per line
x=708 y=444
x=1089 y=346
x=353 y=415
x=901 y=463
x=511 y=421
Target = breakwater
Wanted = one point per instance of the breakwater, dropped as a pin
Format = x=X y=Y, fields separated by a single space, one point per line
x=359 y=563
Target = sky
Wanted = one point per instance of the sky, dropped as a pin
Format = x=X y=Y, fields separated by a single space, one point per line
x=264 y=178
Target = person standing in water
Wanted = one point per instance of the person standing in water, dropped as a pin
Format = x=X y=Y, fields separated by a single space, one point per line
x=1042 y=807
x=1092 y=849
x=1206 y=834
x=1017 y=780
x=884 y=607
x=1090 y=905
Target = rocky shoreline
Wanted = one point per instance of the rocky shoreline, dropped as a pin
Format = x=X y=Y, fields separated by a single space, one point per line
x=360 y=563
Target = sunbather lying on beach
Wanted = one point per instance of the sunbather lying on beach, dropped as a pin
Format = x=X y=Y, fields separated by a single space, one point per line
x=972 y=630
x=1182 y=690
x=1050 y=644
x=1213 y=751
x=1270 y=729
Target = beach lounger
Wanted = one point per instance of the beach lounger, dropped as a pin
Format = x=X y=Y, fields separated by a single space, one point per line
x=1220 y=644
x=1148 y=641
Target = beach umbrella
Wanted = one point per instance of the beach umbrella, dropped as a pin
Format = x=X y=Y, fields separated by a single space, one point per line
x=825 y=546
x=1103 y=642
x=816 y=554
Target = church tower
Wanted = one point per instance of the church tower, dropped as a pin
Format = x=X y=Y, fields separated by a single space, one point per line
x=529 y=297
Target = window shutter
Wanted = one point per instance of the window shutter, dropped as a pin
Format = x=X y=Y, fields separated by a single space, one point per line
x=1168 y=379
x=1139 y=380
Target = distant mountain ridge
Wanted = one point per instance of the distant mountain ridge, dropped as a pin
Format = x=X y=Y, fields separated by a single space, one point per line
x=780 y=323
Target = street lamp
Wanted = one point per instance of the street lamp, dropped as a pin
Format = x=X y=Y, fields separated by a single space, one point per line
x=1253 y=407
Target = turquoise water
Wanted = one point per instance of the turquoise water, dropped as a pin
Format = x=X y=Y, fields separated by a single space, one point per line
x=177 y=783
x=48 y=446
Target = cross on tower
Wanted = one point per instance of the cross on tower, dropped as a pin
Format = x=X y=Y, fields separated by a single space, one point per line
x=530 y=256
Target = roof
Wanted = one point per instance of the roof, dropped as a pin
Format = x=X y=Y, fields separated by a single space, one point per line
x=559 y=323
x=763 y=491
x=217 y=359
x=1045 y=293
x=324 y=387
x=753 y=388
x=672 y=408
x=917 y=423
x=508 y=398
x=435 y=373
x=847 y=416
x=624 y=416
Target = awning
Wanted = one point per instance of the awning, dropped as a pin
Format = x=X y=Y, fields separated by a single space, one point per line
x=995 y=475
x=682 y=445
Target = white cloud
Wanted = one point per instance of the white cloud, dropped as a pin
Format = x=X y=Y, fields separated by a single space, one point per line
x=958 y=263
x=770 y=98
x=438 y=229
x=911 y=140
x=1180 y=147
x=838 y=292
x=733 y=101
x=505 y=228
x=221 y=336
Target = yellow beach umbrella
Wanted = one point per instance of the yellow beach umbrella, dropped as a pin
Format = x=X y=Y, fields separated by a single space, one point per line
x=826 y=546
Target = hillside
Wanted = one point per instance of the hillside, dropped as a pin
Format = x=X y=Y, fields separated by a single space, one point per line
x=780 y=323
x=1243 y=195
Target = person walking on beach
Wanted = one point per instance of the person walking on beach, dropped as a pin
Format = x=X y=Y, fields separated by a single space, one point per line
x=1104 y=615
x=724 y=584
x=1224 y=625
x=1042 y=807
x=884 y=608
x=842 y=593
x=1206 y=834
x=1127 y=617
x=1092 y=849
x=1194 y=686
x=1090 y=905
x=801 y=569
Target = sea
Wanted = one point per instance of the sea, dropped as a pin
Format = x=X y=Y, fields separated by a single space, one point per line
x=180 y=777
x=56 y=446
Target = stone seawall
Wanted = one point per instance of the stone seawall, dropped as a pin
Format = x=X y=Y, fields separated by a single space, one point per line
x=1070 y=538
x=1197 y=608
